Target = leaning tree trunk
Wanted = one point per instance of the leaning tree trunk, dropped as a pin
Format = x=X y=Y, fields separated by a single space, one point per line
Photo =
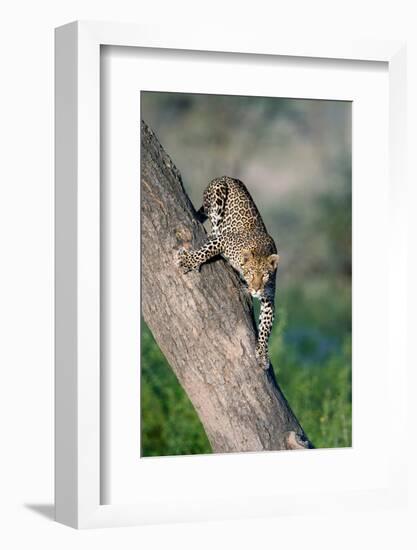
x=203 y=322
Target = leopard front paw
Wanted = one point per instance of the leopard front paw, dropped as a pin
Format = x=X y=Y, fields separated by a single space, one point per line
x=184 y=260
x=262 y=358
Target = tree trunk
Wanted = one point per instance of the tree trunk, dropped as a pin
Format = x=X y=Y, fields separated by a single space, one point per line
x=203 y=322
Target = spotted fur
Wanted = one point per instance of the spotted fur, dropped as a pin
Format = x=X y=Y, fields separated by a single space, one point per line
x=239 y=234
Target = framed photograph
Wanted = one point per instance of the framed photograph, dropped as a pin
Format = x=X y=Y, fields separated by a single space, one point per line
x=230 y=289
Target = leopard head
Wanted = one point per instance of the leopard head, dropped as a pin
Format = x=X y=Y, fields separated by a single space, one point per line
x=257 y=270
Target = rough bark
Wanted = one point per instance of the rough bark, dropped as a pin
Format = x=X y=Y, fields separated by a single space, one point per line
x=203 y=322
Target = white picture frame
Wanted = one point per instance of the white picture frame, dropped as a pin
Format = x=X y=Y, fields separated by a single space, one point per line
x=78 y=404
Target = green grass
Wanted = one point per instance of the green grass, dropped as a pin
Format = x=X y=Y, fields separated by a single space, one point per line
x=320 y=393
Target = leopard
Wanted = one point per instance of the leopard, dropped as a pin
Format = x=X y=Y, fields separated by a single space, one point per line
x=239 y=234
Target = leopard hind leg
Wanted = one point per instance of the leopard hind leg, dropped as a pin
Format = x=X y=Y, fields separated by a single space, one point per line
x=214 y=202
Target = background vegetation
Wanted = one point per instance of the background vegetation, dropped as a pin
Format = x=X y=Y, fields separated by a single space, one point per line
x=295 y=158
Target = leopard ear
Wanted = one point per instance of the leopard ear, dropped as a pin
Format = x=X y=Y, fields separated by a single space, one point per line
x=273 y=260
x=246 y=256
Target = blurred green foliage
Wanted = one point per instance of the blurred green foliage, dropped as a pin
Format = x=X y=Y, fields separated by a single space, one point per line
x=295 y=157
